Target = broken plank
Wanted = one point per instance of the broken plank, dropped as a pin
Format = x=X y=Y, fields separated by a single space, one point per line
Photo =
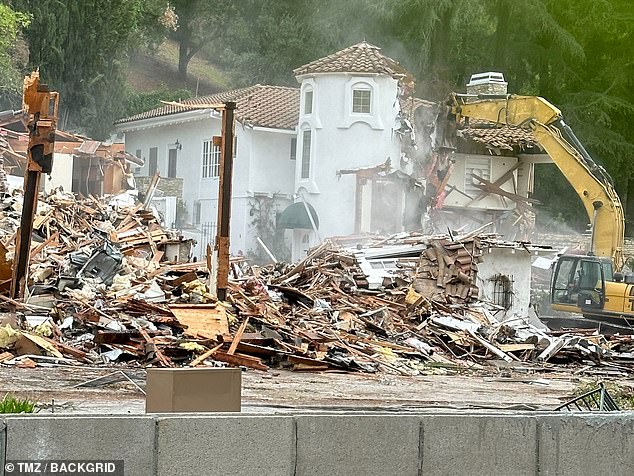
x=159 y=355
x=238 y=336
x=201 y=358
x=240 y=360
x=208 y=321
x=490 y=347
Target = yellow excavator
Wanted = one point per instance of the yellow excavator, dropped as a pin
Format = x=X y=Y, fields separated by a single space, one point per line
x=593 y=284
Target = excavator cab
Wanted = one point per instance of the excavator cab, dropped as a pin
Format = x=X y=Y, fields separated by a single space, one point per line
x=578 y=283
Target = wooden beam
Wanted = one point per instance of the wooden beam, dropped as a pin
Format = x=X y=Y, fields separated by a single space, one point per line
x=202 y=357
x=238 y=336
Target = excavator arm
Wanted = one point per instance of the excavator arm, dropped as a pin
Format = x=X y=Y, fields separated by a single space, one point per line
x=590 y=180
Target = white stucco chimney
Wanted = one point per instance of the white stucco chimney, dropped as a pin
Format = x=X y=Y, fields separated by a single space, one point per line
x=487 y=83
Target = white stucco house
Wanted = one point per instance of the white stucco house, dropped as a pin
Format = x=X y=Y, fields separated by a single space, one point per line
x=178 y=143
x=349 y=151
x=291 y=145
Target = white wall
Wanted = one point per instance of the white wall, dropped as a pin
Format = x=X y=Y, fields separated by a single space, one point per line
x=344 y=140
x=62 y=173
x=513 y=263
x=272 y=169
x=262 y=165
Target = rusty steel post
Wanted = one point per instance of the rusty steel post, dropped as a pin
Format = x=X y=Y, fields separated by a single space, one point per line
x=40 y=109
x=224 y=200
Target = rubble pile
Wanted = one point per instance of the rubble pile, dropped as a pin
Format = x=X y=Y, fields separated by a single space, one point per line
x=104 y=291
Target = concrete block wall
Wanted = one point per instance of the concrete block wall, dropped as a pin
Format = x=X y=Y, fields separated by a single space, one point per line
x=332 y=444
x=128 y=438
x=3 y=445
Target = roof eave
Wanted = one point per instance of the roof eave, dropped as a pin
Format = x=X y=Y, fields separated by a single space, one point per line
x=278 y=130
x=164 y=120
x=303 y=76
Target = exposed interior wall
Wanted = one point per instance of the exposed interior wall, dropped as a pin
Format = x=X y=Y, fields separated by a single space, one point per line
x=62 y=173
x=458 y=179
x=515 y=265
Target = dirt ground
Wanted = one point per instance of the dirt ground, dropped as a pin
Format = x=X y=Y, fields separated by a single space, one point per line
x=60 y=389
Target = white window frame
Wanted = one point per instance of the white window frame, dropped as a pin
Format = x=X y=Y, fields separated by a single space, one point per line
x=306 y=155
x=309 y=93
x=361 y=104
x=210 y=159
x=373 y=118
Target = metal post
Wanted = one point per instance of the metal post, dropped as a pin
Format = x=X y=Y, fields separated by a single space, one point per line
x=23 y=236
x=40 y=106
x=221 y=248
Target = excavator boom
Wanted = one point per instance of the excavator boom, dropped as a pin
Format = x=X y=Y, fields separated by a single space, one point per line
x=590 y=181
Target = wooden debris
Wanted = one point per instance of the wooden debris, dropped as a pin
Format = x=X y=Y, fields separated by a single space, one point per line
x=403 y=304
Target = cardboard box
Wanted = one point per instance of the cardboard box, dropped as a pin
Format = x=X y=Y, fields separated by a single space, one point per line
x=193 y=390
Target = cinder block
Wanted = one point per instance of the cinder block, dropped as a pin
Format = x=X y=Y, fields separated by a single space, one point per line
x=586 y=444
x=357 y=445
x=83 y=438
x=224 y=445
x=3 y=444
x=479 y=445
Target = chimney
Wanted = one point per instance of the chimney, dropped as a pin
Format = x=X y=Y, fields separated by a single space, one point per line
x=487 y=83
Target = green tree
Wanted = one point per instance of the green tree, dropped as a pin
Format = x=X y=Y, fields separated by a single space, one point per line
x=13 y=55
x=137 y=102
x=199 y=22
x=81 y=49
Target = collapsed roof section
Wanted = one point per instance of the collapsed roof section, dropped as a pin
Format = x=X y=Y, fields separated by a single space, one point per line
x=106 y=164
x=496 y=139
x=275 y=107
x=13 y=148
x=499 y=137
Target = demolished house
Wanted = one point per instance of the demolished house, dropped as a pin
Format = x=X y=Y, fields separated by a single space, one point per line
x=111 y=285
x=80 y=165
x=487 y=176
x=108 y=297
x=351 y=151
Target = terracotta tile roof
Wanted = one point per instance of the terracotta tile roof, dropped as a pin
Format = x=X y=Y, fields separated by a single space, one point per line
x=265 y=106
x=360 y=58
x=498 y=137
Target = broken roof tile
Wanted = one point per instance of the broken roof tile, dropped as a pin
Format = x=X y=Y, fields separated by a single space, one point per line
x=498 y=136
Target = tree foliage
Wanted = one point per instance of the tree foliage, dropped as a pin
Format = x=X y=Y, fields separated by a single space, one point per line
x=137 y=102
x=199 y=22
x=81 y=50
x=13 y=55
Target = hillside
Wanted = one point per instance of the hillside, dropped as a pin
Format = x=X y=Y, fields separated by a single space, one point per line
x=149 y=72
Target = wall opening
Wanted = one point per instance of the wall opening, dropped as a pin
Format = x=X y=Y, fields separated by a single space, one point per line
x=503 y=290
